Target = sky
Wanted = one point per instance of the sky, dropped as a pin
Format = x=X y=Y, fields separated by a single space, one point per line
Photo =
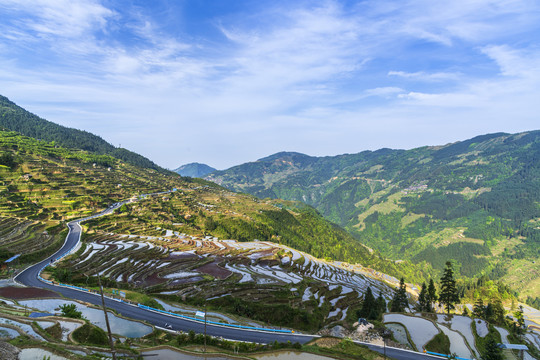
x=226 y=82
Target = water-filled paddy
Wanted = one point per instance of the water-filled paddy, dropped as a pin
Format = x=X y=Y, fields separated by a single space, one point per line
x=120 y=326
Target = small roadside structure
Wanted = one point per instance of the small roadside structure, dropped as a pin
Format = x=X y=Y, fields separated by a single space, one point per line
x=520 y=347
x=11 y=262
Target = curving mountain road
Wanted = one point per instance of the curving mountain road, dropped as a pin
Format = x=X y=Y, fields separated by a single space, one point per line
x=31 y=277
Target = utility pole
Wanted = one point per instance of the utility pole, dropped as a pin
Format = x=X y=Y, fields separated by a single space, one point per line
x=385 y=333
x=106 y=319
x=205 y=326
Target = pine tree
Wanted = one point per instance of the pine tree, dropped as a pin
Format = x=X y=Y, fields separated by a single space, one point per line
x=400 y=302
x=498 y=312
x=369 y=306
x=449 y=294
x=519 y=325
x=381 y=305
x=431 y=296
x=422 y=299
x=489 y=312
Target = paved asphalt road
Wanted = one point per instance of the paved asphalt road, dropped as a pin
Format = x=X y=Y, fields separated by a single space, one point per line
x=29 y=277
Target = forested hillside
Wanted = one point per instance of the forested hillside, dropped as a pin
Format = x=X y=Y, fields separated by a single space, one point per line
x=476 y=201
x=15 y=118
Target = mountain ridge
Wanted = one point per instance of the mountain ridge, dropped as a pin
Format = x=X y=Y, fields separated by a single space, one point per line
x=468 y=200
x=15 y=118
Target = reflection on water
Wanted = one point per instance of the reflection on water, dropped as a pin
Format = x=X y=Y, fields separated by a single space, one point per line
x=169 y=354
x=119 y=326
x=37 y=353
x=27 y=328
x=290 y=355
x=399 y=333
x=9 y=333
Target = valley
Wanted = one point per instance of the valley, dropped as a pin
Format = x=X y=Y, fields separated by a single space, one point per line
x=266 y=269
x=474 y=201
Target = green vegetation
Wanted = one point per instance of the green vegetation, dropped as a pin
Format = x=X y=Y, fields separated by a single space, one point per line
x=52 y=184
x=475 y=202
x=400 y=301
x=372 y=309
x=90 y=335
x=439 y=344
x=70 y=310
x=49 y=185
x=448 y=295
x=15 y=118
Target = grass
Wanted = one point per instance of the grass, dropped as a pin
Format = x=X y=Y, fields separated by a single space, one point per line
x=341 y=348
x=439 y=344
x=386 y=207
x=524 y=275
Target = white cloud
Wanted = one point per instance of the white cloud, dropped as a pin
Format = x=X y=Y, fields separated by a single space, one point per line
x=60 y=18
x=323 y=78
x=424 y=76
x=513 y=62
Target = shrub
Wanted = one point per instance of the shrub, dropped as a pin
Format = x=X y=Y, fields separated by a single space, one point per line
x=439 y=344
x=90 y=334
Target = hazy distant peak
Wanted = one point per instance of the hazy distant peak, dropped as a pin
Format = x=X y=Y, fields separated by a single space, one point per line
x=194 y=170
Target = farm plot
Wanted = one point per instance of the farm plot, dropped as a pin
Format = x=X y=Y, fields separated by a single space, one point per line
x=457 y=342
x=420 y=330
x=183 y=266
x=481 y=327
x=504 y=334
x=461 y=324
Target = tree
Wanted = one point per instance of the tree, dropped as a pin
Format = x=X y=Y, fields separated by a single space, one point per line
x=431 y=296
x=70 y=310
x=369 y=306
x=479 y=310
x=519 y=325
x=7 y=160
x=449 y=294
x=492 y=350
x=498 y=312
x=381 y=304
x=422 y=299
x=399 y=301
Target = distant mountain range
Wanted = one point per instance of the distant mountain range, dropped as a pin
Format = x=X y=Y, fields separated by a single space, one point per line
x=195 y=170
x=475 y=201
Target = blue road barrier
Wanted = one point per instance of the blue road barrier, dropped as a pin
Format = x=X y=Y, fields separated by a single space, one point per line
x=147 y=307
x=214 y=322
x=444 y=355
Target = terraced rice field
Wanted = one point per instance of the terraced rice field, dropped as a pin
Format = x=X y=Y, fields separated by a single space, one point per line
x=23 y=236
x=188 y=266
x=457 y=328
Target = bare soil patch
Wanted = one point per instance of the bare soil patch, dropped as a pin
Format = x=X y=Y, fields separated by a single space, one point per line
x=153 y=279
x=214 y=270
x=18 y=293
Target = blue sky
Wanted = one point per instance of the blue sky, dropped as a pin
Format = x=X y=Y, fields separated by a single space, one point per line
x=226 y=82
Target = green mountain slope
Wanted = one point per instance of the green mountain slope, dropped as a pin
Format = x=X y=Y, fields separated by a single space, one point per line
x=475 y=201
x=42 y=185
x=15 y=118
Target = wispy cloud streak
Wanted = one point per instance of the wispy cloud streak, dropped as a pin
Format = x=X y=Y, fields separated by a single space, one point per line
x=321 y=78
